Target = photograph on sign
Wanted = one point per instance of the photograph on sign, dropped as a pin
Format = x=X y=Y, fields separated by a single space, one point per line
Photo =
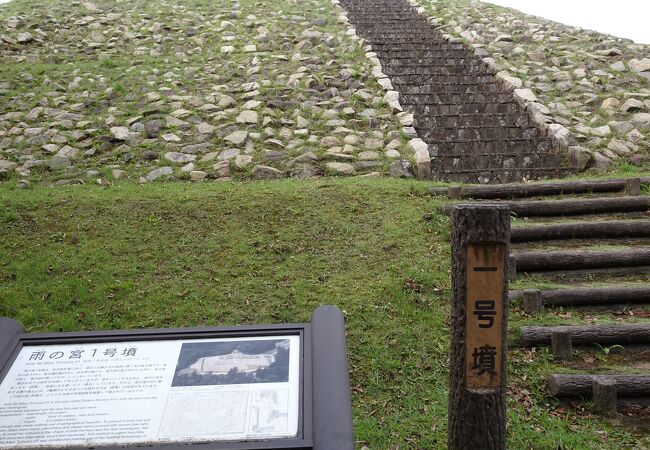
x=197 y=390
x=241 y=362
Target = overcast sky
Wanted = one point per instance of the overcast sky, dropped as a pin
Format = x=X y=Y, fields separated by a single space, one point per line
x=623 y=18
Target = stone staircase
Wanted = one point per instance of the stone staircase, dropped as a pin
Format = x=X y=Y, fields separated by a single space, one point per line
x=475 y=130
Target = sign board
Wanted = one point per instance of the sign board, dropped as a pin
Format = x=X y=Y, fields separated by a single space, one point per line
x=151 y=391
x=484 y=312
x=479 y=322
x=221 y=388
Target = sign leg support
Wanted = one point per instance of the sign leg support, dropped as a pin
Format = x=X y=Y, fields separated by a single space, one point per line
x=331 y=402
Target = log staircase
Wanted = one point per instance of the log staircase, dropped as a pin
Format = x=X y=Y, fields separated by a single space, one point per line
x=475 y=130
x=593 y=237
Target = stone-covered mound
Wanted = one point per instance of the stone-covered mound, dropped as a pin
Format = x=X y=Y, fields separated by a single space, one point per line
x=595 y=85
x=188 y=90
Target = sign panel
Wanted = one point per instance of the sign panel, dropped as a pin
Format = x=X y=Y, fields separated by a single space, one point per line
x=484 y=316
x=131 y=392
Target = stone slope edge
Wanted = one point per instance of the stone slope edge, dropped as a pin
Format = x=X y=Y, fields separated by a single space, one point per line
x=561 y=137
x=419 y=148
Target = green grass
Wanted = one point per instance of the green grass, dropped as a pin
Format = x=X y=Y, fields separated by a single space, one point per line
x=172 y=255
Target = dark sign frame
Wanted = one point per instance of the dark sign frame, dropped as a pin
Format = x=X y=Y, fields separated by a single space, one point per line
x=325 y=409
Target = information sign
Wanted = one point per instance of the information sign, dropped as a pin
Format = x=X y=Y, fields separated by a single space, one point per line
x=280 y=386
x=151 y=391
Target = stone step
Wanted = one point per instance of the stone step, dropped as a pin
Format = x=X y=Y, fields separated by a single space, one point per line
x=510 y=147
x=483 y=82
x=407 y=52
x=434 y=108
x=478 y=176
x=435 y=63
x=491 y=162
x=424 y=85
x=469 y=121
x=405 y=40
x=482 y=134
x=443 y=97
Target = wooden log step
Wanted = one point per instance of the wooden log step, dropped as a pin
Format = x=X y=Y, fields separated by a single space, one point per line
x=604 y=272
x=633 y=401
x=584 y=297
x=546 y=208
x=611 y=229
x=636 y=333
x=579 y=259
x=570 y=385
x=579 y=206
x=514 y=190
x=576 y=297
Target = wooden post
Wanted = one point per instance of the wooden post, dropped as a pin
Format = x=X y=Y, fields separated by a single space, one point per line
x=604 y=396
x=477 y=386
x=512 y=268
x=532 y=301
x=633 y=186
x=455 y=192
x=561 y=345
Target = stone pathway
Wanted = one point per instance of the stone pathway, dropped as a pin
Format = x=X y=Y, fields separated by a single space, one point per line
x=475 y=129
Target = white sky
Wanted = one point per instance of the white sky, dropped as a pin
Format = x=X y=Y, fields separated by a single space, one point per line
x=622 y=18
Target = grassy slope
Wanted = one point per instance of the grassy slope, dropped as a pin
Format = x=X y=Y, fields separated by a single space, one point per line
x=79 y=258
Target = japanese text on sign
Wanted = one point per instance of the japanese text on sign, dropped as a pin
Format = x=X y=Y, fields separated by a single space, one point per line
x=484 y=315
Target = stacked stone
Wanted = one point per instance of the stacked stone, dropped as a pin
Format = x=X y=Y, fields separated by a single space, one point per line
x=234 y=90
x=399 y=168
x=475 y=127
x=591 y=91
